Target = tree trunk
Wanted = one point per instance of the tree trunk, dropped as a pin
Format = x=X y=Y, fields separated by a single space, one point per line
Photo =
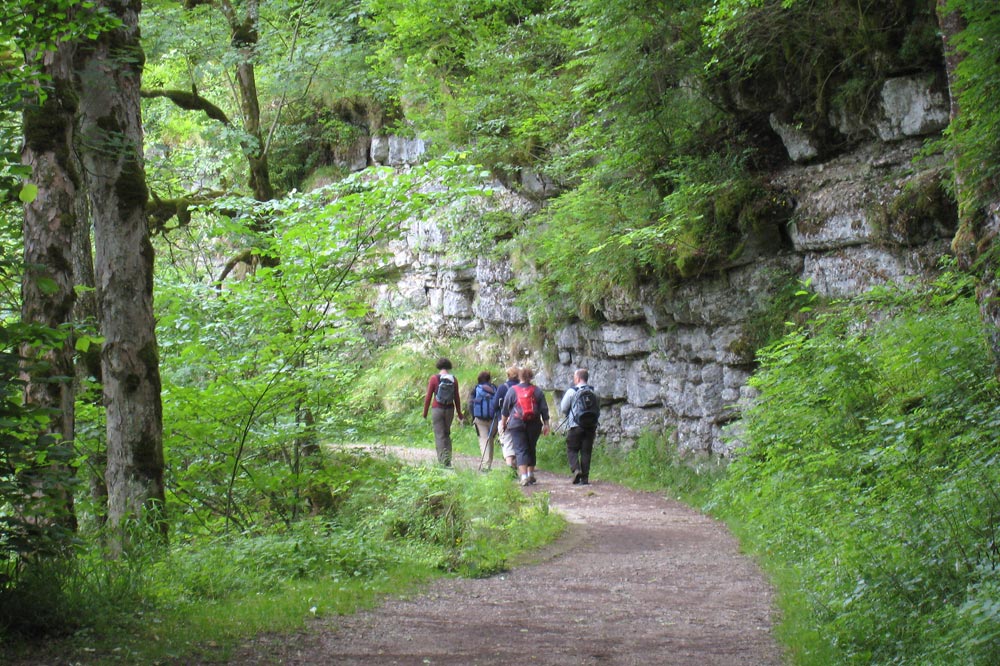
x=86 y=317
x=47 y=294
x=110 y=146
x=244 y=37
x=978 y=225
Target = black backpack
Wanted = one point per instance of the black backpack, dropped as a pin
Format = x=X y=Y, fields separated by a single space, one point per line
x=586 y=408
x=445 y=395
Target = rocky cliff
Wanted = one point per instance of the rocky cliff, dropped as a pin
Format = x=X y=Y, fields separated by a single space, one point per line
x=678 y=359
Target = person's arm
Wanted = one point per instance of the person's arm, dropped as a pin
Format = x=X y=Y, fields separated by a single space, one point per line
x=543 y=410
x=505 y=409
x=567 y=401
x=498 y=398
x=458 y=400
x=432 y=385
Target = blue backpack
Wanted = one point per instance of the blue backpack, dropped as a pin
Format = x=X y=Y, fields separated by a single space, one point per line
x=482 y=401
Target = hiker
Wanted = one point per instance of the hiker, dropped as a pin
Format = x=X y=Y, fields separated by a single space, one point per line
x=506 y=444
x=582 y=409
x=526 y=415
x=443 y=400
x=483 y=416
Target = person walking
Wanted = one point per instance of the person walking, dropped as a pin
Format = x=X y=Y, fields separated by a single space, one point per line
x=506 y=444
x=526 y=415
x=483 y=416
x=442 y=398
x=582 y=409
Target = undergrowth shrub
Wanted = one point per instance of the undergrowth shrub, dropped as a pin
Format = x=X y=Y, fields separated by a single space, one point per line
x=224 y=568
x=867 y=481
x=655 y=463
x=388 y=524
x=464 y=523
x=652 y=463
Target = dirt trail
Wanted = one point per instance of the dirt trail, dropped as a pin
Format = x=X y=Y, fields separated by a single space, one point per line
x=636 y=580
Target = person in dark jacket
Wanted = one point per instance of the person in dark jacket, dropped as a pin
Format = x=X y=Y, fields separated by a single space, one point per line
x=579 y=438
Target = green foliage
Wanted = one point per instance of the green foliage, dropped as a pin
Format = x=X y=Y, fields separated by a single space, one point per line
x=654 y=463
x=391 y=525
x=809 y=53
x=35 y=474
x=29 y=28
x=387 y=396
x=58 y=596
x=313 y=85
x=609 y=103
x=454 y=63
x=465 y=522
x=973 y=133
x=10 y=261
x=569 y=261
x=867 y=476
x=256 y=371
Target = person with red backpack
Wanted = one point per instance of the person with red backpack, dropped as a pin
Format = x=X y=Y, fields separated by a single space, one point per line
x=525 y=414
x=442 y=398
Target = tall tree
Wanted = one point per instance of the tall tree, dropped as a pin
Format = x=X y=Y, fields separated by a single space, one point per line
x=244 y=36
x=110 y=143
x=47 y=294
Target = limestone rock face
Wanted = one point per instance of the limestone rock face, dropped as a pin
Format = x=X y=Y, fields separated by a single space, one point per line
x=912 y=106
x=679 y=362
x=801 y=146
x=396 y=150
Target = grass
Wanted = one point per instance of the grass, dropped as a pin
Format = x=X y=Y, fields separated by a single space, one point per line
x=651 y=464
x=214 y=629
x=399 y=527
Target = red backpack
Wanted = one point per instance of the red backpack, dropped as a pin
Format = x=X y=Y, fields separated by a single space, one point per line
x=525 y=408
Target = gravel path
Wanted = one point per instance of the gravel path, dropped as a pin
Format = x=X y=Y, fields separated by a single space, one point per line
x=636 y=580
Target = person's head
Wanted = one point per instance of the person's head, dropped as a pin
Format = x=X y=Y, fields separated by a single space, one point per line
x=443 y=364
x=512 y=372
x=484 y=377
x=526 y=375
x=581 y=376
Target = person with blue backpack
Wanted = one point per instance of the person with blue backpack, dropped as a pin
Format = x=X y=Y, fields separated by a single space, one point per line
x=582 y=409
x=483 y=416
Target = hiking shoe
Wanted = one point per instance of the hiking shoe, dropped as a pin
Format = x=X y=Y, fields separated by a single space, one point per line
x=584 y=481
x=525 y=481
x=531 y=479
x=577 y=475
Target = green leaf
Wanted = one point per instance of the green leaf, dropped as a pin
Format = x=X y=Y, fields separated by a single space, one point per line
x=28 y=193
x=47 y=285
x=84 y=342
